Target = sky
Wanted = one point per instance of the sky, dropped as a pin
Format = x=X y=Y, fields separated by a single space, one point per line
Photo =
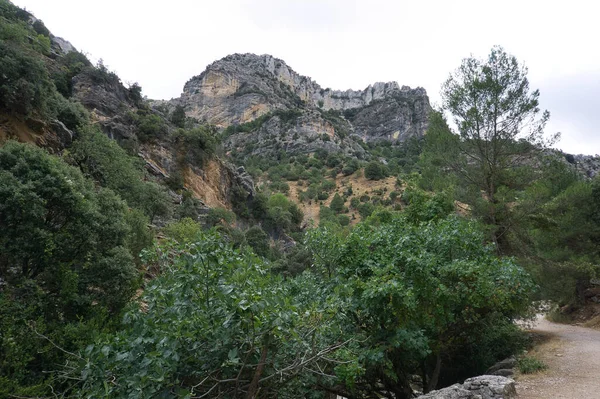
x=348 y=44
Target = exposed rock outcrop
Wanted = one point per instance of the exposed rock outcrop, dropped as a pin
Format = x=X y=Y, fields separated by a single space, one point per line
x=482 y=387
x=587 y=165
x=243 y=87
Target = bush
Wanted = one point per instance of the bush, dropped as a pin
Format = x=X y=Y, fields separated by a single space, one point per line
x=365 y=210
x=25 y=86
x=337 y=204
x=220 y=215
x=70 y=112
x=322 y=196
x=343 y=220
x=67 y=262
x=258 y=240
x=375 y=171
x=213 y=308
x=101 y=159
x=198 y=144
x=530 y=365
x=183 y=231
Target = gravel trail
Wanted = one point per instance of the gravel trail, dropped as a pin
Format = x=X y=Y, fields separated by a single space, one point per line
x=572 y=354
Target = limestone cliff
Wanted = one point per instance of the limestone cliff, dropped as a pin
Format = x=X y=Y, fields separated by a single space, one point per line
x=243 y=87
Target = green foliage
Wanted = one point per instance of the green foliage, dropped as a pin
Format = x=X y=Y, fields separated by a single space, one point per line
x=101 y=159
x=258 y=240
x=65 y=259
x=134 y=92
x=365 y=210
x=25 y=86
x=178 y=116
x=531 y=365
x=561 y=233
x=246 y=127
x=350 y=166
x=183 y=231
x=343 y=220
x=282 y=214
x=375 y=171
x=218 y=216
x=337 y=204
x=215 y=321
x=151 y=127
x=499 y=127
x=197 y=145
x=70 y=112
x=417 y=294
x=425 y=207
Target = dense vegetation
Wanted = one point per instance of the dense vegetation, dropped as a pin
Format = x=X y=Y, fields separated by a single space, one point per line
x=110 y=289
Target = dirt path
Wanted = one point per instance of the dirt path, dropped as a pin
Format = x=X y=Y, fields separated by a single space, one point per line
x=573 y=357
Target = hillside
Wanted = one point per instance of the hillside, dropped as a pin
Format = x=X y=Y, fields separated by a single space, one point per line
x=262 y=237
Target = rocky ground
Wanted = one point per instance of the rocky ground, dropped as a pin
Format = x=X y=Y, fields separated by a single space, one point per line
x=572 y=354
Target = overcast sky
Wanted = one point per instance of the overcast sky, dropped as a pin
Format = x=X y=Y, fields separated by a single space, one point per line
x=345 y=44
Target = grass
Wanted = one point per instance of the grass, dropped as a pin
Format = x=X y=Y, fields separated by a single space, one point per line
x=530 y=365
x=556 y=316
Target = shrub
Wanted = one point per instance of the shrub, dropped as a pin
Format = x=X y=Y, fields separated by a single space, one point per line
x=25 y=86
x=219 y=215
x=343 y=220
x=375 y=171
x=530 y=365
x=337 y=203
x=365 y=210
x=258 y=240
x=178 y=116
x=150 y=126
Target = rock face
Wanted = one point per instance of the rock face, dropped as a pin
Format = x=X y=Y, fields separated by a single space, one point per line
x=243 y=87
x=110 y=103
x=482 y=387
x=587 y=165
x=108 y=100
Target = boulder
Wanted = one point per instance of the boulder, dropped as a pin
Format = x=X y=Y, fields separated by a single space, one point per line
x=452 y=392
x=508 y=363
x=492 y=387
x=482 y=387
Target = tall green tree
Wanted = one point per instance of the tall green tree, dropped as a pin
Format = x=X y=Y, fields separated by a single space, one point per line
x=500 y=129
x=66 y=264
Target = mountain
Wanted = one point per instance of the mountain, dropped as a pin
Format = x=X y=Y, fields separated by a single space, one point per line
x=293 y=113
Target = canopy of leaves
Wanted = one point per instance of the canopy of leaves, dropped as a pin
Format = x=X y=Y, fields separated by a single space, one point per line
x=375 y=171
x=416 y=295
x=104 y=161
x=215 y=323
x=65 y=258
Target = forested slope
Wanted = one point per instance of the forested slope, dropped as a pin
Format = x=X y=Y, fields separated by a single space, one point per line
x=139 y=258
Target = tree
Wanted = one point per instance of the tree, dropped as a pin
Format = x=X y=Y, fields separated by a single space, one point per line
x=417 y=297
x=374 y=171
x=258 y=240
x=217 y=324
x=500 y=128
x=337 y=204
x=178 y=116
x=66 y=264
x=24 y=83
x=103 y=160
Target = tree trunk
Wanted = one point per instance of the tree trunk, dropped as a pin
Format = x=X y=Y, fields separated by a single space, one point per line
x=433 y=381
x=253 y=388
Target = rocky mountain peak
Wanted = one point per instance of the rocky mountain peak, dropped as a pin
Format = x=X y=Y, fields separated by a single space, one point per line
x=241 y=88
